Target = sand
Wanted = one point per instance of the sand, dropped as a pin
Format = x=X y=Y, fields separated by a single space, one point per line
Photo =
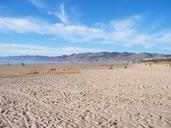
x=85 y=96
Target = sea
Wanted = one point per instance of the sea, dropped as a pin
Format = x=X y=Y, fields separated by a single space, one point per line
x=27 y=62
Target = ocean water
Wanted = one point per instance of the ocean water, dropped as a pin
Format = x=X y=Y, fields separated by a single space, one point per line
x=27 y=62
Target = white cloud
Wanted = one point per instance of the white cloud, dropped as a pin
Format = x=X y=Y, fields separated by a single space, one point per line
x=125 y=32
x=20 y=25
x=62 y=14
x=9 y=49
x=37 y=3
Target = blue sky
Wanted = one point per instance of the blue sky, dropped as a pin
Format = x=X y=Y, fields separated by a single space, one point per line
x=56 y=27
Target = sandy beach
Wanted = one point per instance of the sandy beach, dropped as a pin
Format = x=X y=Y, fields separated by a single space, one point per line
x=85 y=96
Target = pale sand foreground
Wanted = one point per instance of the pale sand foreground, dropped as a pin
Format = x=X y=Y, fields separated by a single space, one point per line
x=81 y=97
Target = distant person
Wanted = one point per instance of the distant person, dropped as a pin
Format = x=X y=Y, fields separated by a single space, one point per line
x=22 y=64
x=126 y=66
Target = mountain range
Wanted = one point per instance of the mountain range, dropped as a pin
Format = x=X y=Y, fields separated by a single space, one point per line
x=100 y=57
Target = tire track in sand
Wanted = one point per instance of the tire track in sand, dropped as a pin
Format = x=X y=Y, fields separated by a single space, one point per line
x=51 y=108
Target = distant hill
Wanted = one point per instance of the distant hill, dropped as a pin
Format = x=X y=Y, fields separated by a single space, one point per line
x=101 y=57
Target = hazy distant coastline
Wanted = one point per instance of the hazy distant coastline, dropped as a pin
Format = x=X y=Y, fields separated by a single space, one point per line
x=100 y=57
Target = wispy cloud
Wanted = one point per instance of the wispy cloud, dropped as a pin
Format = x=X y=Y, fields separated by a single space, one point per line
x=11 y=49
x=37 y=3
x=125 y=32
x=61 y=14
